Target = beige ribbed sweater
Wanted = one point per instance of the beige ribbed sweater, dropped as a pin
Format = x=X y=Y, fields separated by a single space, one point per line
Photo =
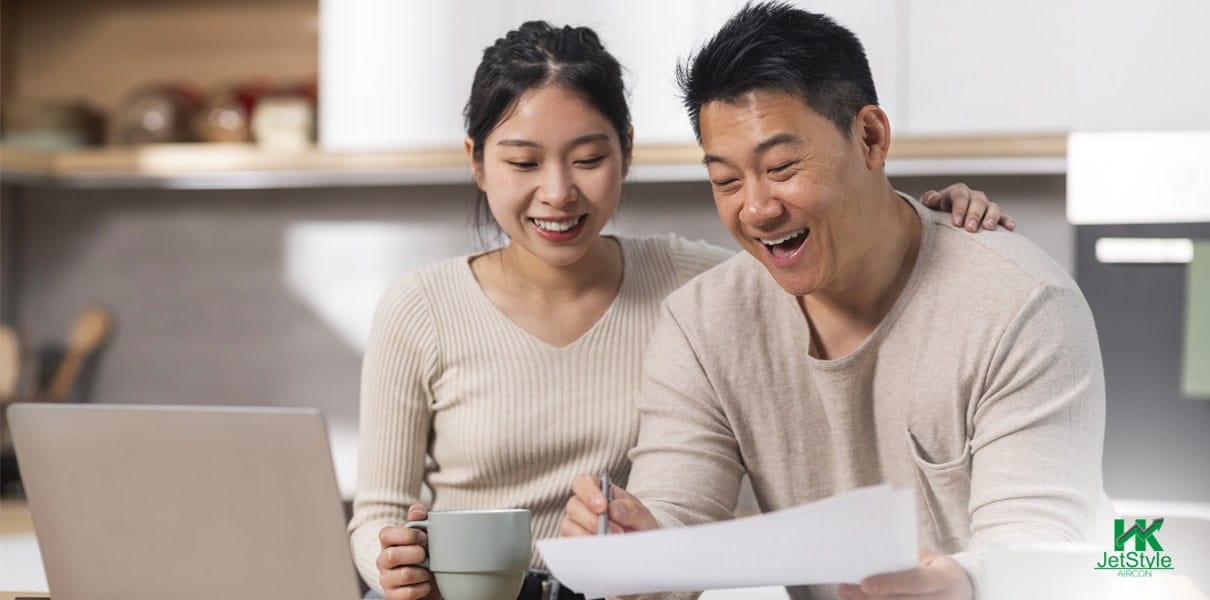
x=981 y=390
x=506 y=419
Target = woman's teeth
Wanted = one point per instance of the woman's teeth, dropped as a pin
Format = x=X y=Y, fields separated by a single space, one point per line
x=783 y=239
x=558 y=226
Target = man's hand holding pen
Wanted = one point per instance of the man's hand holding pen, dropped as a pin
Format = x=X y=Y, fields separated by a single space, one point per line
x=583 y=511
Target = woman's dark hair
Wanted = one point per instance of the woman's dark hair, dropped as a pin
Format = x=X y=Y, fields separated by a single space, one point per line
x=537 y=54
x=773 y=45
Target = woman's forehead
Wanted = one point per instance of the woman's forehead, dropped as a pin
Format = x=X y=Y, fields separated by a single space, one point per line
x=552 y=116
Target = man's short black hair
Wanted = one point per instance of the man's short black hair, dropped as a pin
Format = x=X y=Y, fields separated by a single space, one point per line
x=772 y=45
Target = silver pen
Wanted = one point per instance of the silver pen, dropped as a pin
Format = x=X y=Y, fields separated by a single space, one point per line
x=603 y=520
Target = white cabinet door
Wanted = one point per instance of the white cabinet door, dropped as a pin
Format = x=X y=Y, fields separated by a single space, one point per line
x=396 y=74
x=1142 y=65
x=648 y=38
x=988 y=67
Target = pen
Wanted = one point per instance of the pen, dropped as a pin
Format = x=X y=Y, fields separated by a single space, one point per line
x=603 y=520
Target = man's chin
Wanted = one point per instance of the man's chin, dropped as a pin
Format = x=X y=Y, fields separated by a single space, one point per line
x=797 y=279
x=795 y=284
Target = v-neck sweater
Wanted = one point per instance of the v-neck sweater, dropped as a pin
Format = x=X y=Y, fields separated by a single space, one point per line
x=457 y=396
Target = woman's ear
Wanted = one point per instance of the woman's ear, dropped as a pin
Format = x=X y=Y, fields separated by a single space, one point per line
x=476 y=166
x=628 y=151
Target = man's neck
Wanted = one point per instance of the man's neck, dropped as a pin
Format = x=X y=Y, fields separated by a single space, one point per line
x=870 y=280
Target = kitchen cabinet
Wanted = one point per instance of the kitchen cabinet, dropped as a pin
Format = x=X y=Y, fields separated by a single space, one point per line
x=397 y=76
x=1055 y=65
x=385 y=63
x=1141 y=65
x=987 y=67
x=98 y=51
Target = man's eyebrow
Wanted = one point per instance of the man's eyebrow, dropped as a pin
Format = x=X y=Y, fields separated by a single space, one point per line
x=584 y=139
x=761 y=148
x=776 y=140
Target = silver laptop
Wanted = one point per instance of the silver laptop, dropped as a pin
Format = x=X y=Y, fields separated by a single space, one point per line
x=189 y=503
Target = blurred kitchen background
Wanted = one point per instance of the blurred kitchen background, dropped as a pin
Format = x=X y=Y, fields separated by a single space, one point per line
x=200 y=200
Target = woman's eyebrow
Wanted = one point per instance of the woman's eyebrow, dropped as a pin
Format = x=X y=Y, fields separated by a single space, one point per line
x=584 y=139
x=589 y=138
x=519 y=143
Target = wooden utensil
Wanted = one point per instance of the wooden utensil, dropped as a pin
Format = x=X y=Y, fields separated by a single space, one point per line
x=10 y=363
x=88 y=332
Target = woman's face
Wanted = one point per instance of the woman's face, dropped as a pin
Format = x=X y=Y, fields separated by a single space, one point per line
x=552 y=172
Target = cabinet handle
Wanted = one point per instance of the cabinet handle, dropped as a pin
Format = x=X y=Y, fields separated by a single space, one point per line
x=1118 y=250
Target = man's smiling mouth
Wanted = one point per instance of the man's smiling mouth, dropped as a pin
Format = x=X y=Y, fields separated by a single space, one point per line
x=787 y=244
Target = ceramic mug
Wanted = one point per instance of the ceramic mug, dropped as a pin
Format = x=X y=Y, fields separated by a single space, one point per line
x=477 y=554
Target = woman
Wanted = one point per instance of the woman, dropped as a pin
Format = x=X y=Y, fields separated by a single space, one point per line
x=515 y=369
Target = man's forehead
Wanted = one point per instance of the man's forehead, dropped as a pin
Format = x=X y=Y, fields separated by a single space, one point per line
x=758 y=95
x=759 y=120
x=753 y=105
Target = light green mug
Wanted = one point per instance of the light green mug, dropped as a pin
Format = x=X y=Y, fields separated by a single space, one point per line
x=477 y=554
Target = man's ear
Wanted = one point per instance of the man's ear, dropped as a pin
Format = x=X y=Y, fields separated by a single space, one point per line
x=476 y=166
x=873 y=128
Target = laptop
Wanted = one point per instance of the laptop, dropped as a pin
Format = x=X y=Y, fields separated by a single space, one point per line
x=189 y=503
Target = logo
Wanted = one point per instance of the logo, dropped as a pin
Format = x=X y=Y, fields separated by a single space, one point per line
x=1146 y=554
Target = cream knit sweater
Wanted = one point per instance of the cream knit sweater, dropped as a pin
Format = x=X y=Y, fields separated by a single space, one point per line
x=504 y=419
x=981 y=391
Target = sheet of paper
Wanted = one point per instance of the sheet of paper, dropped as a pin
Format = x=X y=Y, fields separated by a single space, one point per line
x=839 y=539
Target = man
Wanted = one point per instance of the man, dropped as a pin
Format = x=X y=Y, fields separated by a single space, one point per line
x=817 y=361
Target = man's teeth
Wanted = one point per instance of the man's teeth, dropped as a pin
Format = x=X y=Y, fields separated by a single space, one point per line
x=557 y=225
x=787 y=238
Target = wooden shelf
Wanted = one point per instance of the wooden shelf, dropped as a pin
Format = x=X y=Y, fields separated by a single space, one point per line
x=246 y=166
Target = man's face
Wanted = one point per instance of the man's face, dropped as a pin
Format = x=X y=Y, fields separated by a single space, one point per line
x=788 y=186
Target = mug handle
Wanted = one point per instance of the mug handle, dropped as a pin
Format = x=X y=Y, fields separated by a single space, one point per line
x=424 y=525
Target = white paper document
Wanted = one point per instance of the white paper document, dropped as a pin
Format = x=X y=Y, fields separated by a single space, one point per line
x=839 y=539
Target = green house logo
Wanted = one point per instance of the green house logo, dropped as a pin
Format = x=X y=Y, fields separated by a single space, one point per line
x=1142 y=557
x=1143 y=535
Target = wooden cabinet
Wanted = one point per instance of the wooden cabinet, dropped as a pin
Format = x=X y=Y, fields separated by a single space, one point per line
x=395 y=75
x=99 y=50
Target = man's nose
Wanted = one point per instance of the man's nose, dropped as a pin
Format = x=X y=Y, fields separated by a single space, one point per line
x=760 y=206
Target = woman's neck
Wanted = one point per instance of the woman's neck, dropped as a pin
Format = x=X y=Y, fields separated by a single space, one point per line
x=600 y=267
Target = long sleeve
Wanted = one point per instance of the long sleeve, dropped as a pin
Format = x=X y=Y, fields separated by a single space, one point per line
x=686 y=467
x=1044 y=408
x=396 y=398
